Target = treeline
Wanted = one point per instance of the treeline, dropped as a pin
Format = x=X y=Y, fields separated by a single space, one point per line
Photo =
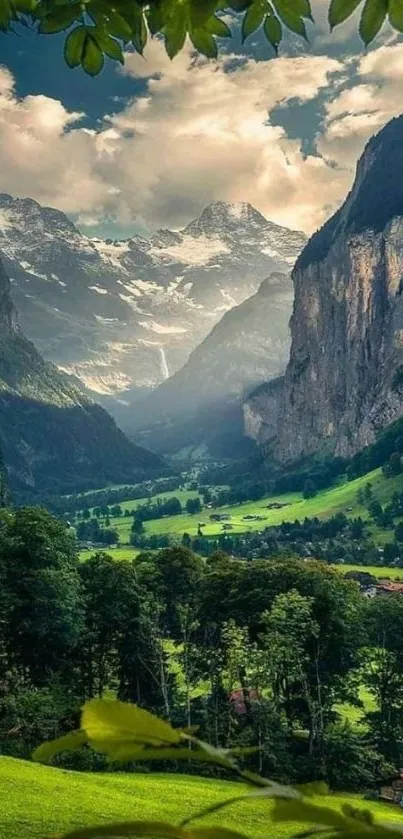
x=102 y=497
x=258 y=654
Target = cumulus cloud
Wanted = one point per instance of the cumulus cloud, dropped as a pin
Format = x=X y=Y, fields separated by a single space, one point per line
x=201 y=131
x=358 y=112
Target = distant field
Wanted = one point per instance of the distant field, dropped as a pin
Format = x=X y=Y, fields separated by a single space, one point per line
x=379 y=571
x=325 y=504
x=341 y=498
x=116 y=553
x=38 y=801
x=354 y=714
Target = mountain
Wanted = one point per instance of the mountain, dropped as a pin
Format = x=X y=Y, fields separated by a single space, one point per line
x=123 y=316
x=344 y=380
x=53 y=437
x=198 y=410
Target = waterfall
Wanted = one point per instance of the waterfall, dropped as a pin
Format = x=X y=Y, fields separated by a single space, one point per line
x=164 y=365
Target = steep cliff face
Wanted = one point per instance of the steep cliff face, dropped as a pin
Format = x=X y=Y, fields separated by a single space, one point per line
x=344 y=380
x=202 y=402
x=52 y=436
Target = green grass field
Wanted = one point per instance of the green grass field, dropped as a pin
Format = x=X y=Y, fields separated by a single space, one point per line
x=117 y=553
x=37 y=801
x=378 y=571
x=325 y=504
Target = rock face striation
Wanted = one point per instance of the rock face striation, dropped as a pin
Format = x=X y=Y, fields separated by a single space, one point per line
x=53 y=437
x=344 y=379
x=201 y=404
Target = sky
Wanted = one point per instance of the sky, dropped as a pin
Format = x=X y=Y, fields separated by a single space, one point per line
x=151 y=144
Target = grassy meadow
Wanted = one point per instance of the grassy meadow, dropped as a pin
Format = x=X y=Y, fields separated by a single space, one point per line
x=38 y=801
x=125 y=554
x=341 y=498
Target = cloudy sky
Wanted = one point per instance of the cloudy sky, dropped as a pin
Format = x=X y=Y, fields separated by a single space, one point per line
x=150 y=144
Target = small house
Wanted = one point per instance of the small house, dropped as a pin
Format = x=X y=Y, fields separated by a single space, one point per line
x=393 y=792
x=387 y=587
x=239 y=699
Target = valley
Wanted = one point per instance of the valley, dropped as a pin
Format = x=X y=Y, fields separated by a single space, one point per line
x=255 y=516
x=201 y=482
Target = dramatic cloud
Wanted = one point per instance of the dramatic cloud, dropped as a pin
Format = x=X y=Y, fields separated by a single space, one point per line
x=360 y=111
x=202 y=131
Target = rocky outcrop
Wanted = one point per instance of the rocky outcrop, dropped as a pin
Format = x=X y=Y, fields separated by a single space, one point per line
x=344 y=380
x=201 y=402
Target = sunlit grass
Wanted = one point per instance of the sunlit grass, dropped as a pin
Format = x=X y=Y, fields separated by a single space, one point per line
x=37 y=801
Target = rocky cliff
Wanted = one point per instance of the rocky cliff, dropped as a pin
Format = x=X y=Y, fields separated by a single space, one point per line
x=201 y=404
x=344 y=380
x=52 y=436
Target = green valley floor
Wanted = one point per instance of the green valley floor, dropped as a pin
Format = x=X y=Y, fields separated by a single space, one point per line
x=328 y=502
x=37 y=801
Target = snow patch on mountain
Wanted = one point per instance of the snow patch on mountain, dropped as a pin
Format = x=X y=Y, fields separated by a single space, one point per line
x=98 y=289
x=93 y=307
x=193 y=251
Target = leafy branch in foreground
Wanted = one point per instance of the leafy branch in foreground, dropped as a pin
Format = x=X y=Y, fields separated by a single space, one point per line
x=99 y=28
x=125 y=732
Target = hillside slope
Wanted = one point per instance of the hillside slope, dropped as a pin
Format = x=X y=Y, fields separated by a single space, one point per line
x=29 y=794
x=52 y=436
x=344 y=380
x=199 y=407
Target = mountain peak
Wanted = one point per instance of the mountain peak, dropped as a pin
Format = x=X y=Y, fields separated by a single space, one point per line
x=225 y=215
x=375 y=198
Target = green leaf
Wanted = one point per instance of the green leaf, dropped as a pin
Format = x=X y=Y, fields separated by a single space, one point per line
x=396 y=14
x=74 y=45
x=155 y=18
x=216 y=833
x=204 y=42
x=139 y=31
x=217 y=27
x=92 y=58
x=286 y=810
x=110 y=725
x=6 y=15
x=59 y=20
x=174 y=39
x=68 y=743
x=372 y=18
x=113 y=22
x=273 y=31
x=303 y=8
x=340 y=10
x=175 y=32
x=239 y=5
x=253 y=19
x=200 y=11
x=291 y=18
x=109 y=46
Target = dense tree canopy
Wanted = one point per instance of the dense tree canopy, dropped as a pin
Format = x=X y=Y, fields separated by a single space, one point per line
x=98 y=28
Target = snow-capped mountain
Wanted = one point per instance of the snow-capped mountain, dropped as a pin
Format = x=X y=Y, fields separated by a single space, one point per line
x=125 y=315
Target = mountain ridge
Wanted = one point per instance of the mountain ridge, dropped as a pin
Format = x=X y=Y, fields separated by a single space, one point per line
x=122 y=315
x=53 y=437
